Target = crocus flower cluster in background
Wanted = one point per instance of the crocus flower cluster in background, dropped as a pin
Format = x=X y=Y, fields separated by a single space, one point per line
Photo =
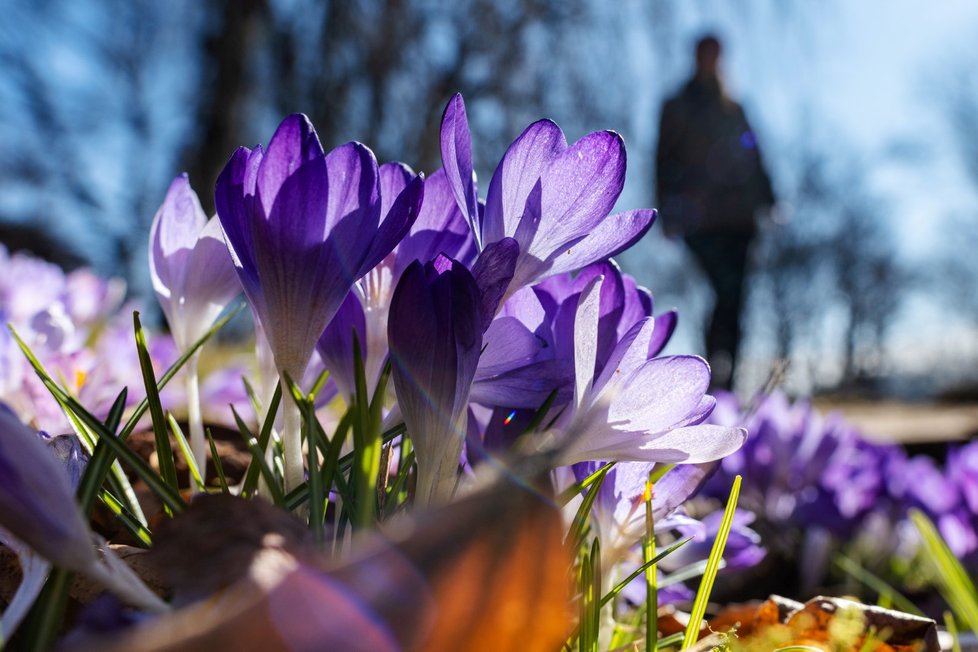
x=76 y=324
x=819 y=484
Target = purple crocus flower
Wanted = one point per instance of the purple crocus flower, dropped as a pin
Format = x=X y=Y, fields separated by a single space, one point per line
x=637 y=408
x=192 y=272
x=435 y=338
x=302 y=226
x=962 y=468
x=554 y=199
x=194 y=281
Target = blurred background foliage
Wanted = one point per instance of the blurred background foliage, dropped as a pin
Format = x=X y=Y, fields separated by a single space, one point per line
x=867 y=114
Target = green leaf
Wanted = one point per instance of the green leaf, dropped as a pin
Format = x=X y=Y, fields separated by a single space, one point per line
x=952 y=579
x=130 y=522
x=367 y=444
x=541 y=413
x=48 y=613
x=167 y=495
x=176 y=367
x=258 y=460
x=876 y=583
x=568 y=494
x=400 y=480
x=712 y=567
x=300 y=494
x=250 y=482
x=218 y=465
x=187 y=454
x=164 y=454
x=610 y=595
x=575 y=535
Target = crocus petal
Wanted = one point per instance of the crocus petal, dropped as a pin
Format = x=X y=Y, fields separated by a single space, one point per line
x=456 y=154
x=578 y=190
x=301 y=232
x=173 y=235
x=516 y=175
x=440 y=228
x=493 y=272
x=660 y=394
x=605 y=238
x=335 y=345
x=234 y=197
x=193 y=297
x=690 y=445
x=586 y=339
x=435 y=336
x=612 y=305
x=396 y=223
x=638 y=304
x=394 y=178
x=665 y=325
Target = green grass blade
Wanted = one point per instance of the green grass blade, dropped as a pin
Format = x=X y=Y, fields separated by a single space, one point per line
x=174 y=368
x=258 y=459
x=218 y=465
x=164 y=454
x=575 y=535
x=651 y=585
x=610 y=595
x=587 y=593
x=671 y=640
x=117 y=479
x=300 y=494
x=541 y=413
x=952 y=629
x=696 y=569
x=114 y=417
x=367 y=445
x=875 y=583
x=712 y=567
x=184 y=446
x=48 y=613
x=568 y=494
x=593 y=600
x=952 y=580
x=400 y=480
x=250 y=482
x=97 y=468
x=135 y=528
x=318 y=495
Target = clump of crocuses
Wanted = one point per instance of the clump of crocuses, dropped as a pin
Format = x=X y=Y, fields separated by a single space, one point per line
x=424 y=338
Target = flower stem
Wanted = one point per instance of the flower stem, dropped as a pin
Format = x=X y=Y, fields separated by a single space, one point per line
x=292 y=441
x=198 y=443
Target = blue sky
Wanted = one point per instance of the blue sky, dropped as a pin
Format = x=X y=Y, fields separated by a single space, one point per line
x=869 y=75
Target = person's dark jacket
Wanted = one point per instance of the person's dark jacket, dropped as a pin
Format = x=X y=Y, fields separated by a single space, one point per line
x=709 y=173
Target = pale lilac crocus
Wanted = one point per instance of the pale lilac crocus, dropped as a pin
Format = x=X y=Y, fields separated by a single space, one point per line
x=302 y=226
x=435 y=338
x=554 y=199
x=618 y=513
x=37 y=507
x=638 y=408
x=194 y=281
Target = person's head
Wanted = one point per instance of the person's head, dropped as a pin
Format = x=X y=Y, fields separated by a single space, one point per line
x=707 y=55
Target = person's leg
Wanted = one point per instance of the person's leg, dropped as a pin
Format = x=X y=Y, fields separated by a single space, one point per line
x=723 y=258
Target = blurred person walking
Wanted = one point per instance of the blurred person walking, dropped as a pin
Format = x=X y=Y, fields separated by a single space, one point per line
x=711 y=185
